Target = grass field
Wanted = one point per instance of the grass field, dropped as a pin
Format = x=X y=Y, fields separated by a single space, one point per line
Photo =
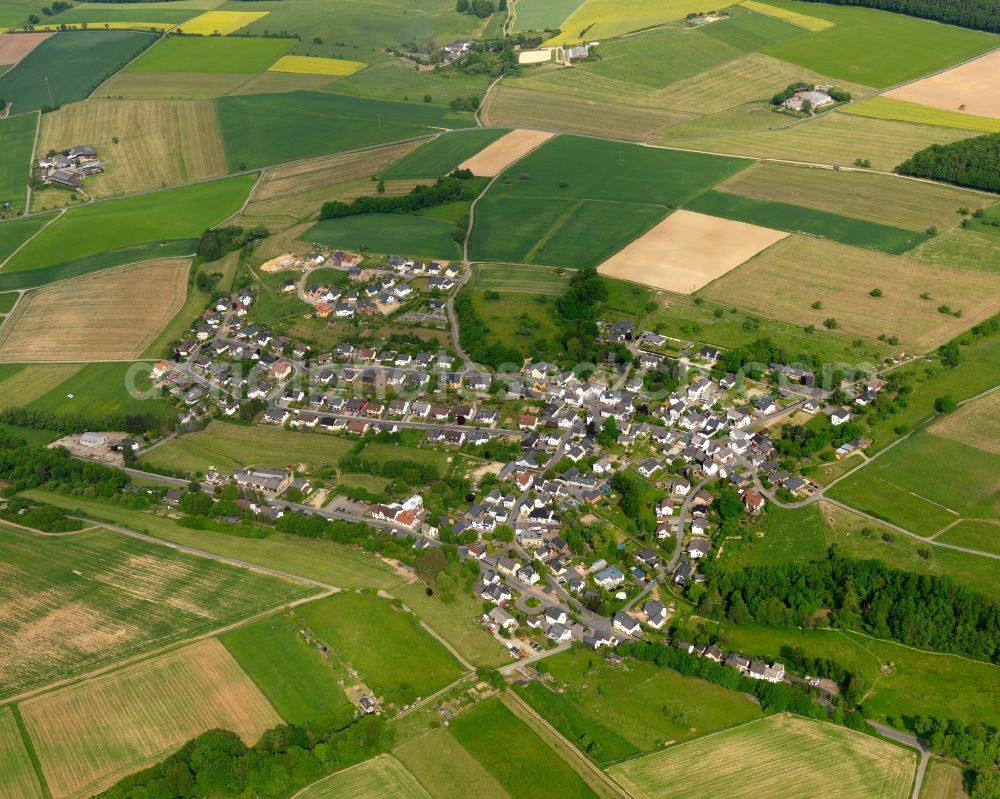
x=230 y=446
x=976 y=424
x=17 y=135
x=943 y=781
x=7 y=301
x=22 y=385
x=14 y=232
x=255 y=128
x=387 y=646
x=17 y=773
x=981 y=535
x=312 y=65
x=93 y=733
x=877 y=48
x=525 y=766
x=518 y=279
x=903 y=111
x=784 y=755
x=633 y=710
x=964 y=248
x=101 y=389
x=79 y=602
x=435 y=758
x=537 y=15
x=143 y=145
x=296 y=679
x=925 y=484
x=383 y=776
x=418 y=236
x=888 y=200
x=841 y=277
x=919 y=683
x=798 y=219
x=441 y=154
x=88 y=230
x=596 y=19
x=196 y=54
x=74 y=63
x=514 y=322
x=212 y=23
x=101 y=316
x=157 y=15
x=173 y=85
x=798 y=19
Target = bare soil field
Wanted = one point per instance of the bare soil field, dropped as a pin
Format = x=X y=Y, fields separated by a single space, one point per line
x=14 y=47
x=784 y=282
x=688 y=250
x=159 y=143
x=111 y=315
x=976 y=424
x=970 y=88
x=91 y=734
x=495 y=158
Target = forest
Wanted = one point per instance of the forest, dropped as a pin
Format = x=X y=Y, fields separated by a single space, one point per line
x=448 y=189
x=32 y=467
x=974 y=163
x=983 y=15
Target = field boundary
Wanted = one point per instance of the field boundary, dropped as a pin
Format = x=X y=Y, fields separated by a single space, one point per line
x=30 y=238
x=29 y=748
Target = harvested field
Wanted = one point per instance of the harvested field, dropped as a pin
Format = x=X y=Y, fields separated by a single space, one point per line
x=442 y=154
x=886 y=199
x=506 y=106
x=93 y=733
x=688 y=250
x=785 y=281
x=143 y=144
x=223 y=22
x=111 y=315
x=976 y=423
x=17 y=774
x=884 y=107
x=278 y=82
x=312 y=65
x=969 y=88
x=499 y=155
x=786 y=756
x=27 y=384
x=14 y=47
x=963 y=248
x=171 y=85
x=382 y=777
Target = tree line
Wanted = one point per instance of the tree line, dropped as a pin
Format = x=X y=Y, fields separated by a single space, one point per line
x=34 y=467
x=452 y=188
x=216 y=242
x=974 y=163
x=983 y=15
x=136 y=424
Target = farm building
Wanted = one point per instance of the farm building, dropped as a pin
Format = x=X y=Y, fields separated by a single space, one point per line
x=818 y=98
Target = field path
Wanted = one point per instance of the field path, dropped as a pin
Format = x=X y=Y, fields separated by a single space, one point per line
x=23 y=244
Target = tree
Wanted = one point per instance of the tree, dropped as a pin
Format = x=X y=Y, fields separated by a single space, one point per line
x=945 y=404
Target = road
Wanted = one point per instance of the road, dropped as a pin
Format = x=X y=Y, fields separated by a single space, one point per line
x=907 y=740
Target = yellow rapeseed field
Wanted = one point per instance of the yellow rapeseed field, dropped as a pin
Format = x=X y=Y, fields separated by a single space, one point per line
x=224 y=22
x=313 y=65
x=794 y=17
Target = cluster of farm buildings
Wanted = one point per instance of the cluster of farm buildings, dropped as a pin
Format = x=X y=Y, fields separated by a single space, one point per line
x=69 y=168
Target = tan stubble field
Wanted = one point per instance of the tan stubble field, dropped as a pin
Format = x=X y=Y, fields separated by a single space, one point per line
x=969 y=88
x=496 y=157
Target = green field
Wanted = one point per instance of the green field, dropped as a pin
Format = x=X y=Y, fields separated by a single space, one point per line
x=965 y=248
x=981 y=535
x=387 y=646
x=515 y=755
x=442 y=154
x=77 y=602
x=387 y=233
x=553 y=205
x=383 y=776
x=787 y=756
x=903 y=111
x=537 y=15
x=629 y=711
x=229 y=446
x=7 y=301
x=294 y=676
x=877 y=48
x=262 y=129
x=100 y=389
x=17 y=138
x=89 y=230
x=517 y=321
x=797 y=219
x=36 y=437
x=925 y=483
x=14 y=232
x=75 y=63
x=17 y=774
x=156 y=14
x=436 y=757
x=211 y=54
x=519 y=279
x=918 y=684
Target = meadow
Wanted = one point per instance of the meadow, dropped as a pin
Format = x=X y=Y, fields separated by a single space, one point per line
x=144 y=145
x=264 y=129
x=891 y=201
x=903 y=111
x=382 y=776
x=629 y=711
x=230 y=446
x=925 y=483
x=139 y=18
x=514 y=322
x=976 y=423
x=209 y=54
x=74 y=63
x=877 y=48
x=105 y=316
x=386 y=645
x=784 y=755
x=90 y=230
x=7 y=301
x=173 y=85
x=944 y=781
x=840 y=278
x=524 y=765
x=981 y=535
x=17 y=135
x=296 y=679
x=435 y=758
x=78 y=602
x=21 y=384
x=93 y=733
x=964 y=248
x=17 y=773
x=441 y=154
x=799 y=219
x=537 y=15
x=419 y=236
x=14 y=232
x=519 y=279
x=918 y=683
x=102 y=389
